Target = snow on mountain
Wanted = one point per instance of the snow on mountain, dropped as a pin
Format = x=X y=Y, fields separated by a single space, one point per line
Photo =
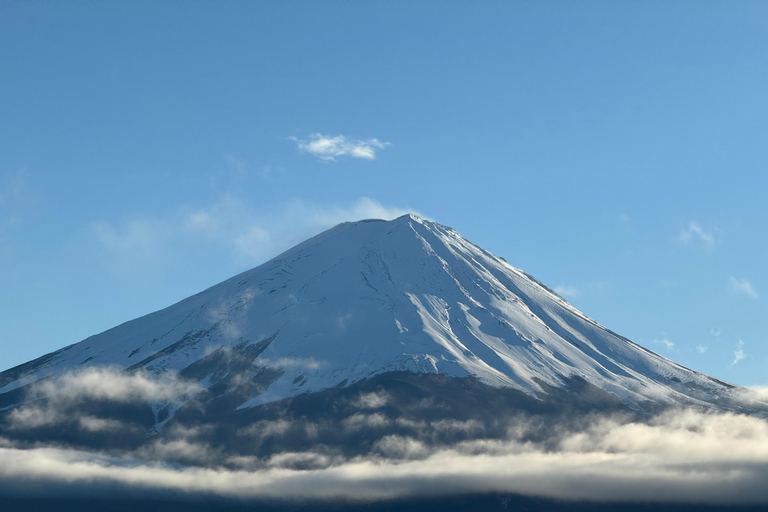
x=370 y=297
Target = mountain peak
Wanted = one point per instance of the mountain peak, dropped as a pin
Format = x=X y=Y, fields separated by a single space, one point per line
x=371 y=297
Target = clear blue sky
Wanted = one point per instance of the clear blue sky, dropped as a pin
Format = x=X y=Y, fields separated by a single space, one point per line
x=616 y=150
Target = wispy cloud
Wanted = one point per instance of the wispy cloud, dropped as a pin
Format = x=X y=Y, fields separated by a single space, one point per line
x=15 y=186
x=323 y=214
x=701 y=348
x=242 y=168
x=668 y=344
x=251 y=243
x=693 y=232
x=13 y=191
x=743 y=286
x=330 y=148
x=738 y=354
x=250 y=233
x=131 y=242
x=567 y=291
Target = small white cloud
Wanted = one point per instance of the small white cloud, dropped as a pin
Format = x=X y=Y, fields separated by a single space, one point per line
x=567 y=291
x=624 y=218
x=342 y=321
x=330 y=148
x=701 y=348
x=694 y=232
x=738 y=354
x=373 y=400
x=743 y=287
x=668 y=344
x=330 y=215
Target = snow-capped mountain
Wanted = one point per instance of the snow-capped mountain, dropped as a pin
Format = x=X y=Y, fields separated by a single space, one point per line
x=370 y=297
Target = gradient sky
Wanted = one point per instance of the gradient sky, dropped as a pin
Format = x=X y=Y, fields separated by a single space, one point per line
x=615 y=150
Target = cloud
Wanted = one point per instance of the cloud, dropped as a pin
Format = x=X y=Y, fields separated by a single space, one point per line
x=759 y=392
x=694 y=232
x=251 y=243
x=242 y=168
x=738 y=354
x=231 y=314
x=13 y=192
x=249 y=233
x=14 y=188
x=307 y=363
x=131 y=242
x=373 y=400
x=360 y=421
x=668 y=344
x=567 y=291
x=59 y=399
x=329 y=148
x=701 y=348
x=322 y=214
x=681 y=456
x=743 y=287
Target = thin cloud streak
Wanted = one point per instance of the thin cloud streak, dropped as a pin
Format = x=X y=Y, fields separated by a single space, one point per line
x=694 y=232
x=567 y=291
x=743 y=286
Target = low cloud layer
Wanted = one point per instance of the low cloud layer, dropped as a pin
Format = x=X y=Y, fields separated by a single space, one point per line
x=686 y=456
x=682 y=456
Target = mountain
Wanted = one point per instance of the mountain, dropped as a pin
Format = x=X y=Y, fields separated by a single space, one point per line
x=376 y=365
x=368 y=298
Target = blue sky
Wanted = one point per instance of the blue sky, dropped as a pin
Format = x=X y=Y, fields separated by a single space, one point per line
x=615 y=150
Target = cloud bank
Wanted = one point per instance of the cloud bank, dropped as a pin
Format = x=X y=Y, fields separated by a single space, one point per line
x=681 y=456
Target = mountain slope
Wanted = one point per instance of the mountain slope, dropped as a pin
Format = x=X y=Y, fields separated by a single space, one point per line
x=372 y=297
